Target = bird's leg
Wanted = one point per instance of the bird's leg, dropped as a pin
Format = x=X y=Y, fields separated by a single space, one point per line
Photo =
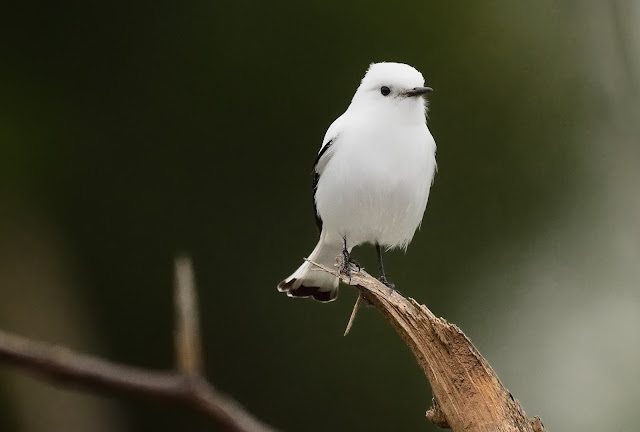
x=347 y=260
x=383 y=277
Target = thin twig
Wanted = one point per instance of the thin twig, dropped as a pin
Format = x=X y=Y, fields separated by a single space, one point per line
x=187 y=334
x=354 y=312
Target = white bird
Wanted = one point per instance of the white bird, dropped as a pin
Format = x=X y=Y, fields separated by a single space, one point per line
x=372 y=176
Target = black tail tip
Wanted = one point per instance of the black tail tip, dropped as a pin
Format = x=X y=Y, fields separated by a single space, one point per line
x=307 y=291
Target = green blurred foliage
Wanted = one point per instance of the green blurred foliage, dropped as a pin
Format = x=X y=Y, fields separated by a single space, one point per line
x=142 y=129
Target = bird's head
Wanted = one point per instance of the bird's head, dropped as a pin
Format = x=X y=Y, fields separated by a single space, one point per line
x=393 y=86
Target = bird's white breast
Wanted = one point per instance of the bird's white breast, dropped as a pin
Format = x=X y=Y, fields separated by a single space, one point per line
x=375 y=186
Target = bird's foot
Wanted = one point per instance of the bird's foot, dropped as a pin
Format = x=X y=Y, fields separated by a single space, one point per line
x=391 y=286
x=349 y=264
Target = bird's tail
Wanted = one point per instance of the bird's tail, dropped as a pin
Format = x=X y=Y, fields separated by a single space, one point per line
x=310 y=281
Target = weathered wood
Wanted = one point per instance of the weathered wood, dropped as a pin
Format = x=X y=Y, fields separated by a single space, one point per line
x=468 y=396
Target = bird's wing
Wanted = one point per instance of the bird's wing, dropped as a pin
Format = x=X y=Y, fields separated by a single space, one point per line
x=324 y=155
x=318 y=166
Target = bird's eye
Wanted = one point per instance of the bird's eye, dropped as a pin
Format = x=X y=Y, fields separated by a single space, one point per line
x=385 y=90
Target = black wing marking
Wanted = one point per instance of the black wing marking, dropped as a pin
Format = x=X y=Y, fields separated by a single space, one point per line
x=316 y=179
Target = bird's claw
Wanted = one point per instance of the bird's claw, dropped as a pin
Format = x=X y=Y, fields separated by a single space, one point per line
x=349 y=264
x=391 y=286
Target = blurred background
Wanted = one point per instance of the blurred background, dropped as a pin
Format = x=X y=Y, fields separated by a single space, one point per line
x=130 y=131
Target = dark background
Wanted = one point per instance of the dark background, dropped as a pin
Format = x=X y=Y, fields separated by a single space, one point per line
x=132 y=131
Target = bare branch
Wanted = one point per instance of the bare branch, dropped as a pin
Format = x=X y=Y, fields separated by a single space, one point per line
x=187 y=386
x=468 y=396
x=69 y=368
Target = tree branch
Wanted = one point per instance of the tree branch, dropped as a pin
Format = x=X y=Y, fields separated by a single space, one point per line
x=467 y=394
x=187 y=386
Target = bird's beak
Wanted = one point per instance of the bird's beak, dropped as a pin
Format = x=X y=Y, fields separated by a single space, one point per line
x=418 y=91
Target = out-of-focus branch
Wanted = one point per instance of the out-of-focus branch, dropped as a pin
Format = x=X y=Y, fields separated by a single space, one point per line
x=187 y=386
x=467 y=394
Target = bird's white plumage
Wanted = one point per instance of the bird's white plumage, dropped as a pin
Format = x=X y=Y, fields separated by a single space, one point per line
x=375 y=176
